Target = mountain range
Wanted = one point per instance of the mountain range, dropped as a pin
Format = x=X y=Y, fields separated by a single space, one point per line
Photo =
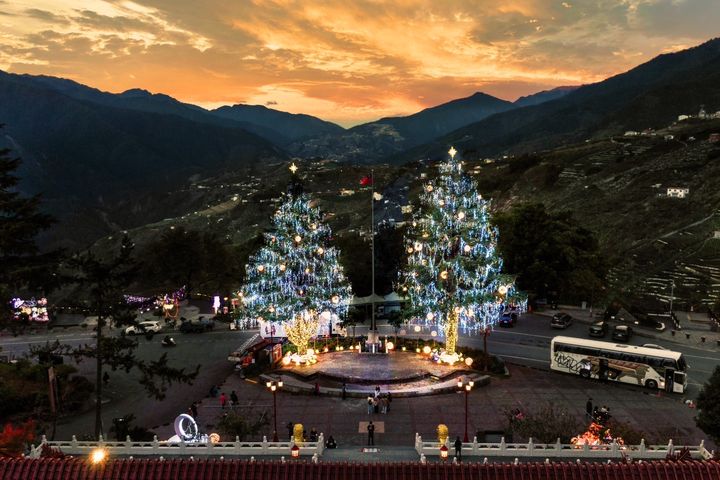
x=112 y=160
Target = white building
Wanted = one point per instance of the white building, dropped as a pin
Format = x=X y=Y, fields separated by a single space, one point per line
x=683 y=117
x=677 y=192
x=631 y=133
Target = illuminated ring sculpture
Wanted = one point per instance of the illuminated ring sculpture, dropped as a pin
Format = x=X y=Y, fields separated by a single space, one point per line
x=186 y=428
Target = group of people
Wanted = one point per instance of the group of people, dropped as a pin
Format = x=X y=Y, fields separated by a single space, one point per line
x=597 y=414
x=313 y=436
x=379 y=402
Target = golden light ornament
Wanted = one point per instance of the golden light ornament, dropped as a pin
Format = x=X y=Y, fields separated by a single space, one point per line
x=335 y=299
x=426 y=350
x=271 y=309
x=430 y=316
x=297 y=238
x=410 y=250
x=390 y=345
x=467 y=248
x=307 y=270
x=502 y=290
x=261 y=268
x=283 y=267
x=418 y=246
x=441 y=202
x=98 y=455
x=214 y=438
x=417 y=328
x=429 y=188
x=444 y=274
x=468 y=361
x=425 y=235
x=433 y=333
x=320 y=251
x=417 y=350
x=461 y=215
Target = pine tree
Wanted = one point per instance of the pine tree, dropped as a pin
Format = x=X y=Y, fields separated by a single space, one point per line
x=453 y=276
x=296 y=276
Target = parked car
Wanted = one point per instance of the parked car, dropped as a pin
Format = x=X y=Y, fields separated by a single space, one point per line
x=652 y=345
x=508 y=319
x=144 y=327
x=200 y=325
x=598 y=329
x=561 y=320
x=622 y=333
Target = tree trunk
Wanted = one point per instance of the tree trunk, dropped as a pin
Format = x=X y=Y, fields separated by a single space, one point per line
x=451 y=332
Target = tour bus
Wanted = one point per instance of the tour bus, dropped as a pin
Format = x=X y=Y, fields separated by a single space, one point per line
x=649 y=367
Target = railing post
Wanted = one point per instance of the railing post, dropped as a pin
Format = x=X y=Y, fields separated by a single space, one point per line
x=642 y=447
x=558 y=445
x=321 y=444
x=671 y=447
x=530 y=446
x=155 y=444
x=237 y=444
x=614 y=448
x=503 y=447
x=475 y=445
x=74 y=444
x=265 y=448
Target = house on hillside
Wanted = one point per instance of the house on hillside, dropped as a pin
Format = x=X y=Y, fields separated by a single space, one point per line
x=677 y=192
x=631 y=133
x=683 y=117
x=714 y=138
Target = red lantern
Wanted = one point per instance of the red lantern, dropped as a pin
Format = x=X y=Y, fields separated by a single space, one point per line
x=443 y=452
x=295 y=451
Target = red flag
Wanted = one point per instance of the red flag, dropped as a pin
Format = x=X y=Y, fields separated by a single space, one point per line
x=366 y=181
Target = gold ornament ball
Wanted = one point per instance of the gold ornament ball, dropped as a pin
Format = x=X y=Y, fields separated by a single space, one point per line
x=298 y=238
x=282 y=267
x=467 y=248
x=261 y=268
x=444 y=274
x=320 y=251
x=335 y=299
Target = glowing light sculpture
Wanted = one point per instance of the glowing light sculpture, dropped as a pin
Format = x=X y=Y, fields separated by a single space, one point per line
x=454 y=274
x=301 y=277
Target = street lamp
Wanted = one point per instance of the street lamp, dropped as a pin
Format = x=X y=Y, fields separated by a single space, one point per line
x=443 y=452
x=466 y=387
x=274 y=386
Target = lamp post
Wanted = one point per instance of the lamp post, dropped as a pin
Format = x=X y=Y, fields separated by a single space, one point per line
x=672 y=295
x=466 y=387
x=274 y=386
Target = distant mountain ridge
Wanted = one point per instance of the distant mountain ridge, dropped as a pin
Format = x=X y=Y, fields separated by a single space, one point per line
x=544 y=96
x=372 y=141
x=650 y=95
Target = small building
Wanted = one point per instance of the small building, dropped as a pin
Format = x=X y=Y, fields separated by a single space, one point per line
x=714 y=138
x=716 y=234
x=669 y=137
x=677 y=192
x=346 y=192
x=683 y=117
x=631 y=133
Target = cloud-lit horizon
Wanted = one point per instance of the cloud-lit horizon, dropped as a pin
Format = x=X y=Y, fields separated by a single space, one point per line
x=347 y=62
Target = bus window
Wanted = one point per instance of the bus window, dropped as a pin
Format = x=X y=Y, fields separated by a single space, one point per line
x=681 y=365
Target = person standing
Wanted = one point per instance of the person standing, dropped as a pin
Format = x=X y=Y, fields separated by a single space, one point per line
x=389 y=401
x=371 y=433
x=458 y=449
x=370 y=405
x=234 y=398
x=290 y=429
x=589 y=408
x=223 y=400
x=344 y=391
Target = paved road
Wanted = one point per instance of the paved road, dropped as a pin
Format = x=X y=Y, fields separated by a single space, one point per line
x=125 y=395
x=528 y=343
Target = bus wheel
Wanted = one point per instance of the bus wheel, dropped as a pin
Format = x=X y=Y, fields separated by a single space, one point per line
x=651 y=384
x=585 y=373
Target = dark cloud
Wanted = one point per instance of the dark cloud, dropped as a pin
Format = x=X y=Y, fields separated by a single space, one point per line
x=46 y=16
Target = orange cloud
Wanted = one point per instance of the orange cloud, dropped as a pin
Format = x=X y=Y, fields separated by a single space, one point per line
x=347 y=62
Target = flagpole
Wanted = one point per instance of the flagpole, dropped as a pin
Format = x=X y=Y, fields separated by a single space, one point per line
x=372 y=246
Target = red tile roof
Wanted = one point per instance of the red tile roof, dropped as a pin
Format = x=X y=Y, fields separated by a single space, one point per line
x=215 y=469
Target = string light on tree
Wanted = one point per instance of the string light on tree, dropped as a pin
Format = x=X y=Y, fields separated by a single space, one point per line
x=297 y=277
x=454 y=277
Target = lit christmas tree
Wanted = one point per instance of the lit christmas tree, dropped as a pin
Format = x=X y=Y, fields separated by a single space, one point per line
x=453 y=277
x=295 y=278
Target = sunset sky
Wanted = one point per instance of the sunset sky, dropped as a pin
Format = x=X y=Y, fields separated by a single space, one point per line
x=344 y=61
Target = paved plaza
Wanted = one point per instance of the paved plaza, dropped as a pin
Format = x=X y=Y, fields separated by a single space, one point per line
x=662 y=417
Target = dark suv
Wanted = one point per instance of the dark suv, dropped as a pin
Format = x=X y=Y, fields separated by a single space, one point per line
x=561 y=320
x=201 y=325
x=598 y=329
x=508 y=319
x=622 y=333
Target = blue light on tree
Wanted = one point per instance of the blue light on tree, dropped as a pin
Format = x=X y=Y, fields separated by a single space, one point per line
x=454 y=274
x=296 y=276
